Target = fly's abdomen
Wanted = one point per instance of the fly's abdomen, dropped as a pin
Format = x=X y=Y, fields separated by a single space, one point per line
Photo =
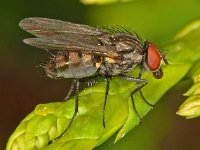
x=81 y=65
x=71 y=65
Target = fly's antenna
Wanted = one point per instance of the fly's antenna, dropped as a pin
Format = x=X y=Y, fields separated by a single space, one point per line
x=163 y=55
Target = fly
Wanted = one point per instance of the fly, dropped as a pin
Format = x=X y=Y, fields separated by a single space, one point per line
x=84 y=52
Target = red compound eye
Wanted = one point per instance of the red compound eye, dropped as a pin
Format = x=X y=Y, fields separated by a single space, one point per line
x=153 y=58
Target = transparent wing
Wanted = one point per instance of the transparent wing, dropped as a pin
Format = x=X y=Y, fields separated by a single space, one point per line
x=53 y=43
x=60 y=35
x=44 y=27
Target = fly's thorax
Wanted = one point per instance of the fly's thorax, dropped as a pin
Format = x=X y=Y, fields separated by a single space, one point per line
x=71 y=65
x=130 y=50
x=126 y=63
x=122 y=42
x=128 y=44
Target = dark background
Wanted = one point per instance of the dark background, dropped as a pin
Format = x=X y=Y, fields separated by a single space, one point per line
x=23 y=85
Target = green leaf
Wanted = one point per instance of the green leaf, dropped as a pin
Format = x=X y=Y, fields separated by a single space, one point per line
x=191 y=107
x=41 y=129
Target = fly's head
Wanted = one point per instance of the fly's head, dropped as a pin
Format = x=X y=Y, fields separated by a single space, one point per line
x=152 y=59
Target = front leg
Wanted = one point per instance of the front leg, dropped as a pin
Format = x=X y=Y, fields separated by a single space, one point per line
x=140 y=84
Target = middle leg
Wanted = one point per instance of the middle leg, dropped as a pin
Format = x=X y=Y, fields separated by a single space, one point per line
x=105 y=100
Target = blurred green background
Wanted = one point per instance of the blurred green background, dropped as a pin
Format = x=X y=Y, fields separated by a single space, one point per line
x=23 y=85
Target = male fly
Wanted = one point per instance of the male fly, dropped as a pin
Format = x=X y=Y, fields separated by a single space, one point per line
x=85 y=52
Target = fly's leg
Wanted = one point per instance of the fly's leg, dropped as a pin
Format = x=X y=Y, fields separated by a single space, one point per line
x=77 y=83
x=108 y=78
x=132 y=93
x=74 y=83
x=141 y=94
x=141 y=83
x=105 y=100
x=70 y=90
x=144 y=99
x=140 y=73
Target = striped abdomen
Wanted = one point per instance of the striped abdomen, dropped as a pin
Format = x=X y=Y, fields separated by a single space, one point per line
x=71 y=65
